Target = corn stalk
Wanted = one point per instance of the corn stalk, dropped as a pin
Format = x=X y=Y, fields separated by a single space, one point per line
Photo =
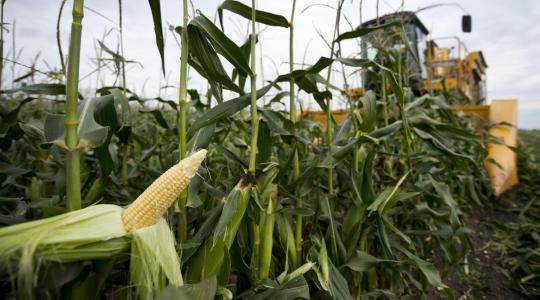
x=1 y=40
x=254 y=115
x=329 y=119
x=182 y=218
x=125 y=147
x=73 y=179
x=292 y=115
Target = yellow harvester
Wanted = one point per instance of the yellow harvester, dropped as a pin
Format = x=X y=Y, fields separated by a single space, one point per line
x=432 y=69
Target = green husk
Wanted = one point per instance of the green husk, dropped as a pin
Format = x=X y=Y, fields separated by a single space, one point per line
x=58 y=239
x=95 y=232
x=267 y=241
x=154 y=260
x=287 y=239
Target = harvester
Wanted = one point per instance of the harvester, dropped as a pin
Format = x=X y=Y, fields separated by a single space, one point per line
x=435 y=69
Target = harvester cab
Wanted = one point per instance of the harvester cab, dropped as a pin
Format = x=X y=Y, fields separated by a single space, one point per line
x=431 y=68
x=410 y=46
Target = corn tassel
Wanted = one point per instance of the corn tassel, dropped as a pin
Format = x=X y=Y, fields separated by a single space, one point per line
x=158 y=197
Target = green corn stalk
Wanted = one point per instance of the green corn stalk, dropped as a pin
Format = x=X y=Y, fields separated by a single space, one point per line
x=125 y=147
x=73 y=179
x=292 y=115
x=384 y=99
x=329 y=101
x=1 y=40
x=182 y=93
x=254 y=116
x=123 y=65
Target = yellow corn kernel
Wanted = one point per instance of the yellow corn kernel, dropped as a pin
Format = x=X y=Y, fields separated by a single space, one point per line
x=156 y=199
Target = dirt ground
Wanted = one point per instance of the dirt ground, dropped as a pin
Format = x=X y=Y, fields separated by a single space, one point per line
x=488 y=275
x=489 y=272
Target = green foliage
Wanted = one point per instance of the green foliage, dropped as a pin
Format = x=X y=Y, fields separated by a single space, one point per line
x=520 y=237
x=402 y=168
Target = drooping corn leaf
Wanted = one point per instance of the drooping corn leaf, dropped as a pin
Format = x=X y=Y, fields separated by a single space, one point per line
x=155 y=7
x=201 y=139
x=362 y=261
x=339 y=289
x=205 y=60
x=223 y=44
x=246 y=11
x=105 y=115
x=52 y=89
x=225 y=110
x=361 y=31
x=10 y=118
x=427 y=268
x=90 y=133
x=387 y=132
x=158 y=116
x=320 y=65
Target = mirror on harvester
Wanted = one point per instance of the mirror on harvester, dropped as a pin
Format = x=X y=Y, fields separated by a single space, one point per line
x=466 y=23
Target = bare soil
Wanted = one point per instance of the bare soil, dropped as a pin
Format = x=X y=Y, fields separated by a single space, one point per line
x=488 y=275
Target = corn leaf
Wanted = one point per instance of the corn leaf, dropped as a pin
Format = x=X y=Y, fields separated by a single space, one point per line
x=245 y=11
x=295 y=288
x=52 y=89
x=155 y=7
x=361 y=31
x=223 y=44
x=225 y=110
x=204 y=290
x=207 y=62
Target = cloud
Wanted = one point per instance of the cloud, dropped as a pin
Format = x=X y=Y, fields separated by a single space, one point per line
x=505 y=31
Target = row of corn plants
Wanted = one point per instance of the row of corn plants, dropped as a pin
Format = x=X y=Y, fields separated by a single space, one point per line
x=281 y=207
x=518 y=236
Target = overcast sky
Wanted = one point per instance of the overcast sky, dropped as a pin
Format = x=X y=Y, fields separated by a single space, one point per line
x=506 y=31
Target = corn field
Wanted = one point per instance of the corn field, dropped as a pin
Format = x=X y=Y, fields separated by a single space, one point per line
x=259 y=202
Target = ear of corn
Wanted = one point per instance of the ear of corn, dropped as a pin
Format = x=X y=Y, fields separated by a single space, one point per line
x=103 y=231
x=267 y=241
x=158 y=197
x=56 y=238
x=286 y=237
